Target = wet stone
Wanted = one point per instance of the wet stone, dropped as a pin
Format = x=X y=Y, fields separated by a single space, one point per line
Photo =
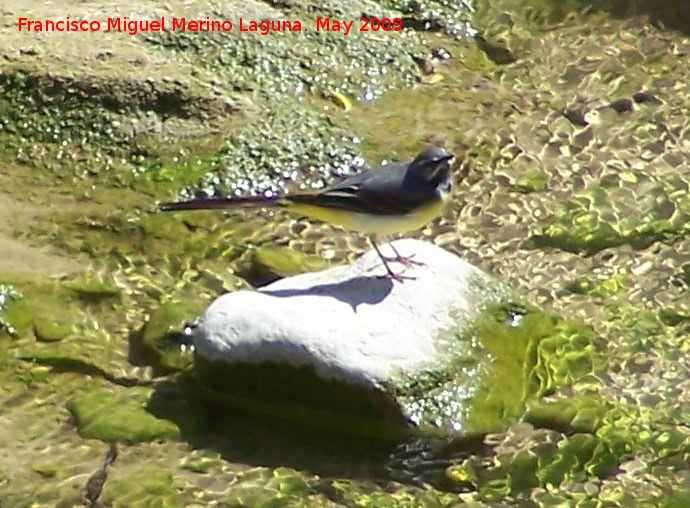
x=352 y=332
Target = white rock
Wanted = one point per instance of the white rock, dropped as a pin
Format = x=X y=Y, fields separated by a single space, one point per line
x=348 y=322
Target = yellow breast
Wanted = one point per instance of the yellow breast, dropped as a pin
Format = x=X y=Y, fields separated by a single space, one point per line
x=372 y=224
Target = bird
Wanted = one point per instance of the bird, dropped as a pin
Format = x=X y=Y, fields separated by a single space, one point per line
x=394 y=198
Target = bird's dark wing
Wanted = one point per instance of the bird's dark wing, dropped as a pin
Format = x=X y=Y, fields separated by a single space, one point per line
x=382 y=191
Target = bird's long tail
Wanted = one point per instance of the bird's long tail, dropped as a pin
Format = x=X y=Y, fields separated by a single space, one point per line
x=217 y=203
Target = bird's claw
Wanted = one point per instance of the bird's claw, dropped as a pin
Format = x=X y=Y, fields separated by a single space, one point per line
x=406 y=261
x=399 y=277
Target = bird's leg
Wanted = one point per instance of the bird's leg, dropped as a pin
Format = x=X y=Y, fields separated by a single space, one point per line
x=395 y=276
x=406 y=261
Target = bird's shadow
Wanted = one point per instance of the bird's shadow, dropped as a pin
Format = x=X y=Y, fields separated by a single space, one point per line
x=370 y=289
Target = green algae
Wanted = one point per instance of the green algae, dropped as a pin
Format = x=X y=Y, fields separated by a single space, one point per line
x=50 y=330
x=598 y=439
x=579 y=436
x=532 y=181
x=512 y=355
x=289 y=482
x=351 y=493
x=674 y=316
x=270 y=262
x=52 y=311
x=280 y=487
x=508 y=351
x=562 y=351
x=676 y=499
x=564 y=354
x=92 y=290
x=644 y=212
x=110 y=417
x=580 y=455
x=254 y=495
x=37 y=307
x=583 y=414
x=47 y=469
x=201 y=463
x=606 y=288
x=145 y=487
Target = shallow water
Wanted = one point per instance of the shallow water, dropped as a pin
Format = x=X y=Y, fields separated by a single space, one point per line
x=585 y=221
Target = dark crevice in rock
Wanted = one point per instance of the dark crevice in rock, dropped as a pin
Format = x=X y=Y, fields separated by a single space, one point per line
x=96 y=482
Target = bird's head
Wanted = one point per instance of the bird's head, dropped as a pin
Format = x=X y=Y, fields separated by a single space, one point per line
x=433 y=165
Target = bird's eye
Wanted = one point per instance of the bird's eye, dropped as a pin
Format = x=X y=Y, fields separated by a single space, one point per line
x=446 y=186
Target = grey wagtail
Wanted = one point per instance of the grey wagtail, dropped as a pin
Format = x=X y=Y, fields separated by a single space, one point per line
x=395 y=198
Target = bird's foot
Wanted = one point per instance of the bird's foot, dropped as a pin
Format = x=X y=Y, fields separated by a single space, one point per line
x=399 y=277
x=406 y=261
x=395 y=276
